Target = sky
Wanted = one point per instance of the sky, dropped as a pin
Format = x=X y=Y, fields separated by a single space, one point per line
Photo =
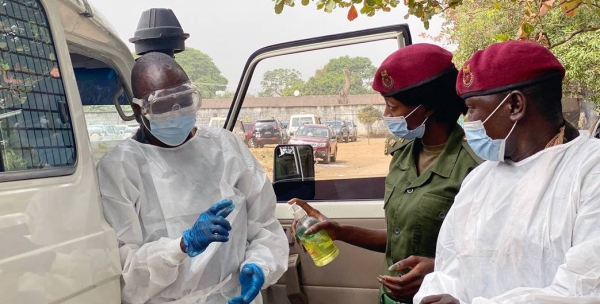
x=230 y=31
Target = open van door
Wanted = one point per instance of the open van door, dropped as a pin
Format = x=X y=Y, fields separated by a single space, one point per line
x=341 y=191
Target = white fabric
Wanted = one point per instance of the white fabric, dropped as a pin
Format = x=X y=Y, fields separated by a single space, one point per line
x=151 y=195
x=526 y=232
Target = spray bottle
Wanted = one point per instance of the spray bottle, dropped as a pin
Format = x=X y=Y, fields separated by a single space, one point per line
x=319 y=245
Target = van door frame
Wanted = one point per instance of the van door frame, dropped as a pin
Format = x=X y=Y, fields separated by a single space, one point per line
x=399 y=32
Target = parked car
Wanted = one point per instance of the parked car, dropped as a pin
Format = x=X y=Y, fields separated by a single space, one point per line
x=217 y=122
x=130 y=131
x=340 y=128
x=268 y=132
x=353 y=130
x=298 y=120
x=120 y=129
x=321 y=137
x=103 y=132
x=240 y=131
x=249 y=130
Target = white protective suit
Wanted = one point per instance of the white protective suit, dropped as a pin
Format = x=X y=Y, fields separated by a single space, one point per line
x=526 y=232
x=151 y=195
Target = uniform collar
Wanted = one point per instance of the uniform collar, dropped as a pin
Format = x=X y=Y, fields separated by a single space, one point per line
x=447 y=159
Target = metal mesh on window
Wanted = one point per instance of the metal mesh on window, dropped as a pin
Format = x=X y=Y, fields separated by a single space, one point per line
x=35 y=127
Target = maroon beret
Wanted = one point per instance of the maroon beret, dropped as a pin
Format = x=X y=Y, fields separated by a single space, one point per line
x=504 y=66
x=411 y=66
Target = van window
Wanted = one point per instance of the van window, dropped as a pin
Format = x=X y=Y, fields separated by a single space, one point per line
x=357 y=165
x=35 y=127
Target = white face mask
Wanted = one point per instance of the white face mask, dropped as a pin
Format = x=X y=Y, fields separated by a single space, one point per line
x=483 y=145
x=399 y=127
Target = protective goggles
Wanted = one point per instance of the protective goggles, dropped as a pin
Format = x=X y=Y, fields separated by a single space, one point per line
x=162 y=105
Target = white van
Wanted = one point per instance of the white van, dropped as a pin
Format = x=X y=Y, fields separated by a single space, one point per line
x=217 y=122
x=298 y=120
x=56 y=245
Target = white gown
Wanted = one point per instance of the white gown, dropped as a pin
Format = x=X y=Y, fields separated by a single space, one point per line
x=526 y=232
x=151 y=195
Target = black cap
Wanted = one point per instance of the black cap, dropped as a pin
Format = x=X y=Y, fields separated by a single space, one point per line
x=159 y=31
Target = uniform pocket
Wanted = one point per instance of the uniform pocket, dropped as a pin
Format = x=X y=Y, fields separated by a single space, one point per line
x=389 y=190
x=430 y=213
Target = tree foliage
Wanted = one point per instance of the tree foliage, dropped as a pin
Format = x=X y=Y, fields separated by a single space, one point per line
x=202 y=71
x=368 y=115
x=478 y=24
x=330 y=80
x=531 y=11
x=281 y=82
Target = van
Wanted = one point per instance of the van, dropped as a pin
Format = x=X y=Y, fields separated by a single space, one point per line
x=298 y=120
x=217 y=122
x=56 y=245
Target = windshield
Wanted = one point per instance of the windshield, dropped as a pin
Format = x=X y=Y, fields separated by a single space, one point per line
x=313 y=131
x=335 y=124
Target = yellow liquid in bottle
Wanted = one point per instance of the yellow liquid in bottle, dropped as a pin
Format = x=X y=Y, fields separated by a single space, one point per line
x=320 y=247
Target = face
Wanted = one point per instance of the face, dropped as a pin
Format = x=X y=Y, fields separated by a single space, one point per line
x=395 y=108
x=500 y=123
x=156 y=78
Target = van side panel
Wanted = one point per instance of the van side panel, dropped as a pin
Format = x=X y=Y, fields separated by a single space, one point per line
x=56 y=245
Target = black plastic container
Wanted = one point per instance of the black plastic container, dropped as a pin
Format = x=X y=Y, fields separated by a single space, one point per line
x=159 y=31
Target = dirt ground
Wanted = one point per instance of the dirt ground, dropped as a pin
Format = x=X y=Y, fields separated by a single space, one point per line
x=363 y=158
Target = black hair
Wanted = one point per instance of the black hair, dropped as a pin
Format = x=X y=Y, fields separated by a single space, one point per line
x=546 y=95
x=439 y=95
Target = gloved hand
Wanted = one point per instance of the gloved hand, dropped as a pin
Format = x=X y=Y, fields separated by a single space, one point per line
x=252 y=280
x=210 y=227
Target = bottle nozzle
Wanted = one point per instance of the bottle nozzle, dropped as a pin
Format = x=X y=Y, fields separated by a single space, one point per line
x=298 y=211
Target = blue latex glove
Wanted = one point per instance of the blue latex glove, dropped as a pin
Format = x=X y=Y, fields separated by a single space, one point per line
x=252 y=280
x=210 y=227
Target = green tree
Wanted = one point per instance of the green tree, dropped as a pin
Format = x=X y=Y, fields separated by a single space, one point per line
x=480 y=23
x=202 y=71
x=330 y=80
x=531 y=11
x=281 y=82
x=369 y=115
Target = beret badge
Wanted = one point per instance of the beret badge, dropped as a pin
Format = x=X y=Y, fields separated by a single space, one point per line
x=387 y=80
x=468 y=77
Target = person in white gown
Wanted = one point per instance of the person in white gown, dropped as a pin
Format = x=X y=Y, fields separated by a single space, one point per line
x=525 y=225
x=193 y=210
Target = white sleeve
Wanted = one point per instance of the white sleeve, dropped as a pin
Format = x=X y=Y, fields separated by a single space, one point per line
x=446 y=276
x=267 y=244
x=147 y=269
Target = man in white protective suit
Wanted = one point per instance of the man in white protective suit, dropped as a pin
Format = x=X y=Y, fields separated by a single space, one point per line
x=192 y=208
x=525 y=225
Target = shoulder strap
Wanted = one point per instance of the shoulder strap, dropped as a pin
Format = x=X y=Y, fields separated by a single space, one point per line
x=394 y=143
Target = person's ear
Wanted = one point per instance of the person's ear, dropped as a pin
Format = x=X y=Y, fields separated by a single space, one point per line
x=428 y=113
x=518 y=105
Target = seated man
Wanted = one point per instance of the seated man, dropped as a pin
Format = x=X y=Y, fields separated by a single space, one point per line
x=158 y=191
x=525 y=226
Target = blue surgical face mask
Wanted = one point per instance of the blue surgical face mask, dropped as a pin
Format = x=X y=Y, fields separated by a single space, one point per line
x=174 y=131
x=399 y=127
x=483 y=145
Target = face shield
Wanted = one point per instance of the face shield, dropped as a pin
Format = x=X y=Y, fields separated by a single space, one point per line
x=162 y=105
